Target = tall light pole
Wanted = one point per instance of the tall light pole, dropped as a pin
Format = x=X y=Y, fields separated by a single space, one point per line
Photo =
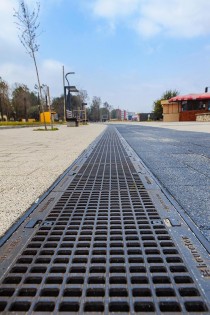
x=1 y=111
x=67 y=102
x=67 y=75
x=64 y=98
x=84 y=108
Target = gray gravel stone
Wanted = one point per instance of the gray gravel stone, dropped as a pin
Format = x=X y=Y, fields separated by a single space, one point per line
x=30 y=161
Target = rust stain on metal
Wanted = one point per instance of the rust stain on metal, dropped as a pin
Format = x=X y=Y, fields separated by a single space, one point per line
x=10 y=248
x=46 y=205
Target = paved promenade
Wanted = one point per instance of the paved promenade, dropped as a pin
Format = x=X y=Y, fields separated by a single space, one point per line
x=30 y=162
x=106 y=241
x=180 y=160
x=181 y=126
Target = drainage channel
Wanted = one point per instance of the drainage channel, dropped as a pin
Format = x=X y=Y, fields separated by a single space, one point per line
x=105 y=240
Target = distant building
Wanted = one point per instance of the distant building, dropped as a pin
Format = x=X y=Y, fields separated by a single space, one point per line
x=145 y=116
x=135 y=118
x=123 y=115
x=186 y=107
x=130 y=115
x=105 y=118
x=118 y=114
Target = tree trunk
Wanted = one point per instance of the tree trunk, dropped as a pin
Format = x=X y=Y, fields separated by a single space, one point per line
x=1 y=111
x=40 y=90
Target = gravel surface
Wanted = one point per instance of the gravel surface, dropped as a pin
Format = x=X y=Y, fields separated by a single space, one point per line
x=181 y=162
x=30 y=162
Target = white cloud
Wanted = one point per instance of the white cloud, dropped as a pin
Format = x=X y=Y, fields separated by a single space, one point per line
x=15 y=64
x=147 y=27
x=8 y=30
x=51 y=65
x=13 y=72
x=176 y=18
x=112 y=9
x=50 y=72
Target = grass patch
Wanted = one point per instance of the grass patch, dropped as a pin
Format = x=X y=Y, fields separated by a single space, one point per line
x=43 y=129
x=32 y=124
x=17 y=123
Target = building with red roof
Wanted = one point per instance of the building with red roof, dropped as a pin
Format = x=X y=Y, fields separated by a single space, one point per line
x=188 y=107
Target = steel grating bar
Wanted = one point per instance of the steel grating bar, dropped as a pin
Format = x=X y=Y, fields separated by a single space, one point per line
x=105 y=240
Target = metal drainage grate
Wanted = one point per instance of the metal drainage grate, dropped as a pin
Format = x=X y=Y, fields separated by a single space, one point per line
x=103 y=248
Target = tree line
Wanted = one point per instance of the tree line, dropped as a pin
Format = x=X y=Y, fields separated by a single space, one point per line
x=18 y=102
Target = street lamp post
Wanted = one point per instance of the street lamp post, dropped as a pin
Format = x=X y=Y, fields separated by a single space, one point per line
x=67 y=97
x=67 y=75
x=67 y=104
x=64 y=99
x=84 y=109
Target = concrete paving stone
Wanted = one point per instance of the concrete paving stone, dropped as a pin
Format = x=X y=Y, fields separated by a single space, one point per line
x=15 y=182
x=157 y=162
x=195 y=161
x=14 y=204
x=197 y=208
x=53 y=152
x=182 y=168
x=32 y=163
x=19 y=171
x=171 y=175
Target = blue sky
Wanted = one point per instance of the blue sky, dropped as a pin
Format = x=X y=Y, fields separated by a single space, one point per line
x=128 y=52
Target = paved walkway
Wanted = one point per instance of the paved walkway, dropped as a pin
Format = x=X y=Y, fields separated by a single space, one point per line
x=180 y=160
x=107 y=242
x=182 y=126
x=30 y=161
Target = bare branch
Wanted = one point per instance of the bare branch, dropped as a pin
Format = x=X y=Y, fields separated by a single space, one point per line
x=28 y=25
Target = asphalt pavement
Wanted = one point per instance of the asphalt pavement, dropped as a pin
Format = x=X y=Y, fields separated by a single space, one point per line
x=180 y=160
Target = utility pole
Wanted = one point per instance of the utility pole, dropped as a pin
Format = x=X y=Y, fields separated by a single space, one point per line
x=49 y=103
x=64 y=98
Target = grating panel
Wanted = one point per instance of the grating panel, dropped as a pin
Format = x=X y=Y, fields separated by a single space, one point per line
x=104 y=247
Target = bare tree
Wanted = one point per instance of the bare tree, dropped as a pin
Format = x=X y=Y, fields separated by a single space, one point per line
x=28 y=25
x=5 y=106
x=21 y=99
x=107 y=106
x=95 y=108
x=83 y=95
